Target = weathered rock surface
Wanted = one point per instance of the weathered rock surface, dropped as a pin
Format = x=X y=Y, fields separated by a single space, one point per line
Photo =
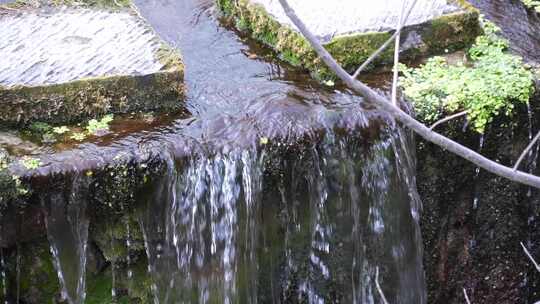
x=353 y=30
x=326 y=19
x=66 y=64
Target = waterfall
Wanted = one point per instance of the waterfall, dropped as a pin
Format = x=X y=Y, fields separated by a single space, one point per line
x=67 y=223
x=311 y=225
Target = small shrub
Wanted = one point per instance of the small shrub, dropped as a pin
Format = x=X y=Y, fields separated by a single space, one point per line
x=95 y=126
x=30 y=163
x=534 y=4
x=491 y=85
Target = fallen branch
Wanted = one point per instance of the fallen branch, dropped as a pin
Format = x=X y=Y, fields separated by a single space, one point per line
x=529 y=147
x=395 y=75
x=386 y=44
x=384 y=104
x=530 y=257
x=448 y=118
x=466 y=296
x=379 y=289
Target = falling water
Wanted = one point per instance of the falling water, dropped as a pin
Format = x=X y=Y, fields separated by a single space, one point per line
x=312 y=228
x=477 y=173
x=533 y=154
x=3 y=274
x=67 y=230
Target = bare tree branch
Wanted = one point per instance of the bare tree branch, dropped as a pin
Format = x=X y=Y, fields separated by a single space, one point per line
x=448 y=118
x=529 y=147
x=384 y=45
x=379 y=289
x=395 y=80
x=466 y=296
x=383 y=103
x=530 y=256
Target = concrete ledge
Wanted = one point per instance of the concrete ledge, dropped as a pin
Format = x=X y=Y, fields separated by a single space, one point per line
x=84 y=72
x=445 y=33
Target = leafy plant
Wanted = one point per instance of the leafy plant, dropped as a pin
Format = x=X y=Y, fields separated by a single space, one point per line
x=78 y=136
x=491 y=85
x=60 y=130
x=534 y=4
x=30 y=163
x=95 y=126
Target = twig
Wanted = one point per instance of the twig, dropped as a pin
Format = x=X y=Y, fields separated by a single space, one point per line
x=379 y=289
x=530 y=257
x=466 y=296
x=396 y=55
x=529 y=147
x=448 y=118
x=383 y=104
x=385 y=45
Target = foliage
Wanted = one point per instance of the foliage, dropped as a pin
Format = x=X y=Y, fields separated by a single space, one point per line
x=490 y=85
x=78 y=136
x=60 y=130
x=534 y=4
x=30 y=163
x=95 y=126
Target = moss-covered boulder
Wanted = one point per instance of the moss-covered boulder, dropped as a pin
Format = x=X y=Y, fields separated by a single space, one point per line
x=66 y=63
x=455 y=28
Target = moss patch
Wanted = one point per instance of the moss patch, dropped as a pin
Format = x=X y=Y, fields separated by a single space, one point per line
x=87 y=98
x=92 y=97
x=449 y=32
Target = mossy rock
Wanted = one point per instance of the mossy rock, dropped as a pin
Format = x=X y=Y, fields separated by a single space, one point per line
x=446 y=33
x=38 y=282
x=91 y=84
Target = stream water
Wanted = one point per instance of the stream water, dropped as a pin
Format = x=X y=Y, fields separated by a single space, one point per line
x=323 y=218
x=316 y=222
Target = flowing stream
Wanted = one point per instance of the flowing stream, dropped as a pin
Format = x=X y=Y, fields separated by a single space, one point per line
x=310 y=220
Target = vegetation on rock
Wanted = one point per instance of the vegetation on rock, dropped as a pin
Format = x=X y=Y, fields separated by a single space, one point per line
x=534 y=4
x=490 y=84
x=446 y=33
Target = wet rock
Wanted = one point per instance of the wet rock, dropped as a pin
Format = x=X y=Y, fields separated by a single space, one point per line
x=65 y=64
x=351 y=39
x=472 y=224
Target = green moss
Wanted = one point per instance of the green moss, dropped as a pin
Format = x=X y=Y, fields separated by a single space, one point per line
x=93 y=97
x=170 y=58
x=38 y=281
x=490 y=85
x=450 y=32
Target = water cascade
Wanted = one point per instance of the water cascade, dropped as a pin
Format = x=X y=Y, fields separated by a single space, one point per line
x=67 y=230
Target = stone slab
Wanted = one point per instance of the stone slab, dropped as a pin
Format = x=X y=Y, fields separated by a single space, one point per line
x=64 y=64
x=352 y=30
x=327 y=19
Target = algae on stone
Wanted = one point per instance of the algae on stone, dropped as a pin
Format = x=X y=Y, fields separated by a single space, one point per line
x=442 y=34
x=153 y=83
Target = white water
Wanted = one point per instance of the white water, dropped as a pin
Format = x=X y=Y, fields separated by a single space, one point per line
x=44 y=48
x=330 y=18
x=66 y=223
x=207 y=227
